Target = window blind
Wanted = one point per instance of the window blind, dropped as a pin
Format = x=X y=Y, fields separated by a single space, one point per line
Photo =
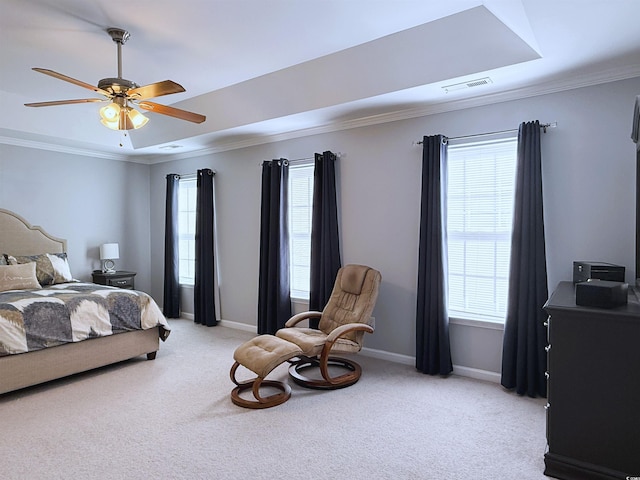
x=300 y=211
x=480 y=198
x=187 y=192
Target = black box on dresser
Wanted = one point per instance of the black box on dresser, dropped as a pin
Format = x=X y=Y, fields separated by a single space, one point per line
x=601 y=293
x=583 y=271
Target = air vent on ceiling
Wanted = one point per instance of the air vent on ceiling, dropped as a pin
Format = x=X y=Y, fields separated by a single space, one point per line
x=468 y=84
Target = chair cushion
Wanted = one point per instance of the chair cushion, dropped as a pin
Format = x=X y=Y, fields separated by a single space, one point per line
x=309 y=340
x=352 y=300
x=263 y=353
x=353 y=278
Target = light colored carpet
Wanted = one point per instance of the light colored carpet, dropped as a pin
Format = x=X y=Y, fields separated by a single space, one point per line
x=172 y=418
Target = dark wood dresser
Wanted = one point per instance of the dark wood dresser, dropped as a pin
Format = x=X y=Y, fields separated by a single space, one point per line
x=593 y=380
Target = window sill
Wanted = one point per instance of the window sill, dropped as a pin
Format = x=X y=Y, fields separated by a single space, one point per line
x=473 y=322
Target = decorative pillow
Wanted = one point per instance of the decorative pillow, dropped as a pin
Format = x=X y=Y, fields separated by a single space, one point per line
x=51 y=268
x=18 y=277
x=61 y=267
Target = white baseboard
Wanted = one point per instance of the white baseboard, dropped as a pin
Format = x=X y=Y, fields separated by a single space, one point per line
x=238 y=326
x=459 y=370
x=389 y=356
x=476 y=373
x=225 y=323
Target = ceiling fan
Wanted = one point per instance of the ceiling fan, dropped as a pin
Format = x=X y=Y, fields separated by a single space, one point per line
x=122 y=93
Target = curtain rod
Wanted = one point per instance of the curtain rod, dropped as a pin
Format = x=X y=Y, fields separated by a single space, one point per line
x=299 y=160
x=189 y=176
x=543 y=126
x=338 y=155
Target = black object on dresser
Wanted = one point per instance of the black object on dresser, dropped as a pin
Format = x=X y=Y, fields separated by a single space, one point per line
x=583 y=271
x=119 y=279
x=593 y=389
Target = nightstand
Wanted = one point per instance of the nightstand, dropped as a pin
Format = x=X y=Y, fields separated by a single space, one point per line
x=120 y=279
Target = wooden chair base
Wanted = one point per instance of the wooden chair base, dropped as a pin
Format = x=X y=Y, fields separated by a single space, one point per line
x=255 y=385
x=326 y=382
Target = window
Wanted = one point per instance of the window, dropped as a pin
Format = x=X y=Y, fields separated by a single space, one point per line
x=187 y=191
x=480 y=197
x=300 y=211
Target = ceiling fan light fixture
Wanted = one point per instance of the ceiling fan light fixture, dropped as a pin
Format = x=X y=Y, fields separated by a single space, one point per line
x=112 y=125
x=110 y=113
x=137 y=119
x=115 y=117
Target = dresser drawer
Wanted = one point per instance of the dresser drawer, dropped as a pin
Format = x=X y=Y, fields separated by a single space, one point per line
x=120 y=279
x=125 y=282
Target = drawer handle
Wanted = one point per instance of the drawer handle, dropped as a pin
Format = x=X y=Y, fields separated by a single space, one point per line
x=547 y=348
x=121 y=282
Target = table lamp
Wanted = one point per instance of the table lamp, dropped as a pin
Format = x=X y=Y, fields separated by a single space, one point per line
x=108 y=253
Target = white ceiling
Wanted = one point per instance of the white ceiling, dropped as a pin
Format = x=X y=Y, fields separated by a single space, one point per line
x=268 y=69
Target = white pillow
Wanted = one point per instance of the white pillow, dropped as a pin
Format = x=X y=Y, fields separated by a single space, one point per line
x=61 y=268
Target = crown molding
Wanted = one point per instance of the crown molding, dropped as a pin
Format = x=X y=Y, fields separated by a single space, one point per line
x=53 y=147
x=546 y=88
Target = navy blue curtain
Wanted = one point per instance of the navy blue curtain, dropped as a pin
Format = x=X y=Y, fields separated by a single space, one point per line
x=171 y=298
x=274 y=297
x=524 y=359
x=325 y=242
x=204 y=288
x=433 y=354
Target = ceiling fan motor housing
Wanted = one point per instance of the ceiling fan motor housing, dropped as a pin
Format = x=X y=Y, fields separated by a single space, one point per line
x=116 y=85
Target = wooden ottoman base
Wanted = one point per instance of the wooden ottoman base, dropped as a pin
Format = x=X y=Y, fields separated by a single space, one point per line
x=261 y=355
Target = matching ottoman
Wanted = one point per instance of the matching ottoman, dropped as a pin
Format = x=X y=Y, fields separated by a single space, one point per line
x=261 y=355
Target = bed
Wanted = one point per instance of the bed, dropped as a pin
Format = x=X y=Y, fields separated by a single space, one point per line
x=23 y=365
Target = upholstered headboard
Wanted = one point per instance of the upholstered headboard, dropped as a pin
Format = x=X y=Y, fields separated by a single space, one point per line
x=19 y=237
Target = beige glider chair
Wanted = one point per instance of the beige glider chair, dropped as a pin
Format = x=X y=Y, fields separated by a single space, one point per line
x=343 y=322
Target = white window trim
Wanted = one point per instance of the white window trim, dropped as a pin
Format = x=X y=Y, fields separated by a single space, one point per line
x=489 y=324
x=191 y=179
x=469 y=318
x=297 y=296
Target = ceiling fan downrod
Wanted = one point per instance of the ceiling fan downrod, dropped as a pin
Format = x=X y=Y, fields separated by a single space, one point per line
x=120 y=37
x=118 y=85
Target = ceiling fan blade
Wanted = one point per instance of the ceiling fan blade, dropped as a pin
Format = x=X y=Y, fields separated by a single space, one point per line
x=63 y=102
x=153 y=90
x=172 y=112
x=72 y=80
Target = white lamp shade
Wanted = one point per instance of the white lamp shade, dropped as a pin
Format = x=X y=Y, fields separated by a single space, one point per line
x=109 y=251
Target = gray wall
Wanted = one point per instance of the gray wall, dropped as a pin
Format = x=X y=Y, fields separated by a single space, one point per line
x=88 y=201
x=589 y=187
